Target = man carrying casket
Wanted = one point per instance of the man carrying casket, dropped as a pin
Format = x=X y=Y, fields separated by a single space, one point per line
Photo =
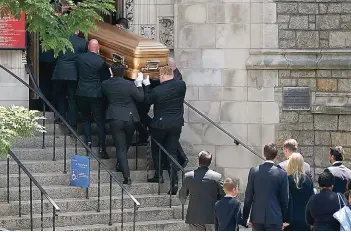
x=166 y=125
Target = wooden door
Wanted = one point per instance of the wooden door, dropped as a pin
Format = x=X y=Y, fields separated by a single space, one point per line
x=33 y=59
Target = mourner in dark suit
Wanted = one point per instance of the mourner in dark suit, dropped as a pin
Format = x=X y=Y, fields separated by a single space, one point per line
x=92 y=71
x=267 y=194
x=341 y=173
x=168 y=120
x=65 y=80
x=228 y=211
x=205 y=188
x=321 y=207
x=301 y=189
x=122 y=113
x=289 y=147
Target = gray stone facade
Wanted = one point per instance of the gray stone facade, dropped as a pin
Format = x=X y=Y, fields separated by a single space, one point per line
x=308 y=24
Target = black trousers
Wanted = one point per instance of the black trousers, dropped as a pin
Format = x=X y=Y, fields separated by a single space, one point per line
x=122 y=133
x=169 y=139
x=61 y=89
x=145 y=119
x=263 y=227
x=94 y=105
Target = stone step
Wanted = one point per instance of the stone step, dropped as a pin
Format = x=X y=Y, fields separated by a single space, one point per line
x=64 y=191
x=37 y=141
x=91 y=218
x=91 y=204
x=36 y=154
x=161 y=225
x=47 y=179
x=57 y=166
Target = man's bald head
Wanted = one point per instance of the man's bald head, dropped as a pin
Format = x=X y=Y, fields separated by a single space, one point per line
x=171 y=63
x=93 y=46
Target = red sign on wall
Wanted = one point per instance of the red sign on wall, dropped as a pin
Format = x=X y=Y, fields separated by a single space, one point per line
x=13 y=32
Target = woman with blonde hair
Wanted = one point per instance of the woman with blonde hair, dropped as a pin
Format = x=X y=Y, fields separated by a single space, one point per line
x=301 y=189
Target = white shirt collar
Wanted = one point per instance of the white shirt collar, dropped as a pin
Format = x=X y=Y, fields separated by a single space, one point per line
x=269 y=161
x=337 y=162
x=227 y=195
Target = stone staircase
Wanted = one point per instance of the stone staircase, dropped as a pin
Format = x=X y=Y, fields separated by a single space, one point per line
x=77 y=212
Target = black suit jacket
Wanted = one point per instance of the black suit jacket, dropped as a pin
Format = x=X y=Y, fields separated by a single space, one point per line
x=66 y=68
x=168 y=99
x=320 y=209
x=92 y=71
x=121 y=95
x=267 y=195
x=228 y=214
x=299 y=197
x=342 y=176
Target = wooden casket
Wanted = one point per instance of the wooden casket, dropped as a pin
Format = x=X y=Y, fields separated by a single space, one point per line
x=137 y=53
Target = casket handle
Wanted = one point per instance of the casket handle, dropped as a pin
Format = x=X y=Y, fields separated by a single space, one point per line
x=119 y=58
x=151 y=65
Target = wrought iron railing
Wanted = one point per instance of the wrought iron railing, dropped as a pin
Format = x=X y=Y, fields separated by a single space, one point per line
x=43 y=193
x=89 y=151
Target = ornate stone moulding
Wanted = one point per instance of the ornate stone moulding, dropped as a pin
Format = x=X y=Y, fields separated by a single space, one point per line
x=331 y=103
x=299 y=59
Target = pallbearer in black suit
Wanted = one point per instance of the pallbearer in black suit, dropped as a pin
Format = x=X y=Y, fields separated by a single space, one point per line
x=122 y=113
x=92 y=71
x=65 y=79
x=168 y=120
x=341 y=173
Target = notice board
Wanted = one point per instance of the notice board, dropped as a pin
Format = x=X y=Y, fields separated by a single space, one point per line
x=80 y=171
x=13 y=32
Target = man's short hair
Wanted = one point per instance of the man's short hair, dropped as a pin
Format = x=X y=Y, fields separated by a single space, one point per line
x=337 y=152
x=270 y=151
x=326 y=179
x=123 y=22
x=229 y=184
x=205 y=159
x=117 y=69
x=166 y=70
x=290 y=145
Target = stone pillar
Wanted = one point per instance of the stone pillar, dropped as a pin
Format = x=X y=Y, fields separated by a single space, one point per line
x=12 y=92
x=213 y=41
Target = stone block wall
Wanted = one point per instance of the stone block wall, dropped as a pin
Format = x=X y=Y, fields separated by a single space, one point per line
x=310 y=24
x=12 y=92
x=213 y=41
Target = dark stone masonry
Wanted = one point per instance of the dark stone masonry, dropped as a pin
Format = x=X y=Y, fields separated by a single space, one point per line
x=307 y=24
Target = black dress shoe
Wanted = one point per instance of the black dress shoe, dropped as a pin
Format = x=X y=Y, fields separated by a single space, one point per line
x=156 y=180
x=127 y=181
x=103 y=154
x=174 y=190
x=58 y=121
x=118 y=169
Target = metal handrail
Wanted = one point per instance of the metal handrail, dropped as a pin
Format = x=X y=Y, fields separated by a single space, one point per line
x=236 y=141
x=101 y=164
x=56 y=209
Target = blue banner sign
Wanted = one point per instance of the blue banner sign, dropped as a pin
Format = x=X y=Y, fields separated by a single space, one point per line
x=80 y=171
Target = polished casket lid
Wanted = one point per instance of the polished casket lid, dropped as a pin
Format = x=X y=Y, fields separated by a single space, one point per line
x=127 y=42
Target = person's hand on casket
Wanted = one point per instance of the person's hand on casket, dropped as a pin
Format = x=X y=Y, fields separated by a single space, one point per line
x=139 y=80
x=146 y=80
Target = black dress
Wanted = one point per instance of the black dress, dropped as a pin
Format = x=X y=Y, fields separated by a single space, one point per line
x=297 y=203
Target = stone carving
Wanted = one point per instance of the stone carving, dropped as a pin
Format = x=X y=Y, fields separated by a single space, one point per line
x=166 y=31
x=129 y=9
x=148 y=31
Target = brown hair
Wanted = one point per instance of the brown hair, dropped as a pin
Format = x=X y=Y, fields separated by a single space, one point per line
x=205 y=159
x=270 y=151
x=229 y=185
x=290 y=145
x=166 y=70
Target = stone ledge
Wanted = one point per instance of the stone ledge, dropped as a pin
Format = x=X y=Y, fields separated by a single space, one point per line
x=299 y=59
x=331 y=103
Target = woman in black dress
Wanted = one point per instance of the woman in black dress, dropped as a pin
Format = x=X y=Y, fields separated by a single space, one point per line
x=301 y=189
